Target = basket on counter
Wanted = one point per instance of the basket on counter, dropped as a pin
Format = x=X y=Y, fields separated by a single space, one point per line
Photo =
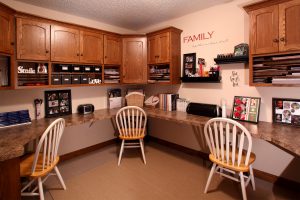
x=135 y=99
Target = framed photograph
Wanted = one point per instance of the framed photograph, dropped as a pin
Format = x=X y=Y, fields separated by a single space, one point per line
x=246 y=108
x=189 y=64
x=58 y=103
x=241 y=50
x=286 y=111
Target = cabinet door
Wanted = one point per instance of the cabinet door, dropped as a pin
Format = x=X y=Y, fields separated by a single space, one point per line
x=152 y=50
x=112 y=50
x=33 y=40
x=289 y=29
x=163 y=47
x=6 y=27
x=64 y=44
x=134 y=60
x=264 y=30
x=91 y=47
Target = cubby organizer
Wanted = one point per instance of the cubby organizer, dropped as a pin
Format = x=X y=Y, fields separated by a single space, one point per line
x=159 y=73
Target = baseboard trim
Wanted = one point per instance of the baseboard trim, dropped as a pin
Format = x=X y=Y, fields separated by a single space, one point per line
x=259 y=174
x=86 y=150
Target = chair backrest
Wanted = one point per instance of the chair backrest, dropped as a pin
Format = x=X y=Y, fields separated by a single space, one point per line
x=226 y=140
x=131 y=121
x=48 y=145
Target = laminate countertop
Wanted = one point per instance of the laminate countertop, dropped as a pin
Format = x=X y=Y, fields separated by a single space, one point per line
x=13 y=139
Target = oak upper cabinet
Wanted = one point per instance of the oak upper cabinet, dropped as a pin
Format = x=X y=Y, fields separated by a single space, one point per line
x=112 y=49
x=134 y=62
x=159 y=48
x=64 y=44
x=33 y=40
x=164 y=56
x=274 y=27
x=91 y=47
x=6 y=30
x=289 y=28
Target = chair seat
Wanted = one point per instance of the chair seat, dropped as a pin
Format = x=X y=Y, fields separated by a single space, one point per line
x=235 y=167
x=132 y=134
x=26 y=166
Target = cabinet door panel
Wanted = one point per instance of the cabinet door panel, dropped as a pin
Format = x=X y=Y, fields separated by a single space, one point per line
x=112 y=49
x=64 y=44
x=134 y=60
x=264 y=34
x=91 y=47
x=163 y=48
x=33 y=40
x=152 y=50
x=6 y=25
x=289 y=30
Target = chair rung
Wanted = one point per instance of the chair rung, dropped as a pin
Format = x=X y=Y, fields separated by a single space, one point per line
x=132 y=143
x=132 y=146
x=227 y=176
x=27 y=194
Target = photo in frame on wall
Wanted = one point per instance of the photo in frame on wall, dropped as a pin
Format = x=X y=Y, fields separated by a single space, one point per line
x=189 y=64
x=58 y=103
x=246 y=109
x=286 y=111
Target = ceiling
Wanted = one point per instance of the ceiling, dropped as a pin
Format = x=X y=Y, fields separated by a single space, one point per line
x=129 y=14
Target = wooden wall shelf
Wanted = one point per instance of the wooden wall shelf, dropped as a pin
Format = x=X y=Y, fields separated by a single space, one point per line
x=237 y=59
x=201 y=79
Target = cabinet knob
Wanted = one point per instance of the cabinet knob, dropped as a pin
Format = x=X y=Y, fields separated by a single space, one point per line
x=47 y=51
x=82 y=54
x=12 y=43
x=77 y=54
x=282 y=39
x=275 y=40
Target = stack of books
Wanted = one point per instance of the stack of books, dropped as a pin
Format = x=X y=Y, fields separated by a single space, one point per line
x=167 y=102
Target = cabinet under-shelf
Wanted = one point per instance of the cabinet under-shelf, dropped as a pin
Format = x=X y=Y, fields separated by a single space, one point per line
x=276 y=70
x=210 y=79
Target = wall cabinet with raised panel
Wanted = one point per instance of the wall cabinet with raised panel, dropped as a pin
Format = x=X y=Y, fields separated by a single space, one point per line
x=134 y=62
x=164 y=56
x=274 y=27
x=274 y=42
x=33 y=40
x=6 y=30
x=112 y=49
x=91 y=47
x=64 y=44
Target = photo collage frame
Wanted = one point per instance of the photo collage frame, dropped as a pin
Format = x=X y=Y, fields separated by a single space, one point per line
x=58 y=103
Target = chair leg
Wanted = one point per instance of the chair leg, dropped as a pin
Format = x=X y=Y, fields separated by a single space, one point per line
x=243 y=186
x=252 y=177
x=121 y=152
x=41 y=192
x=212 y=171
x=60 y=178
x=142 y=149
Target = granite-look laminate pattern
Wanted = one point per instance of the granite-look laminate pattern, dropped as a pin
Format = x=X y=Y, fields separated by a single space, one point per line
x=13 y=139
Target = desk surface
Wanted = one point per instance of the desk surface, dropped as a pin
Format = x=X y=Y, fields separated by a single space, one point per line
x=13 y=139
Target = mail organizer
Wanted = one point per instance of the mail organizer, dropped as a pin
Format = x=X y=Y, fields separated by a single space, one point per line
x=208 y=110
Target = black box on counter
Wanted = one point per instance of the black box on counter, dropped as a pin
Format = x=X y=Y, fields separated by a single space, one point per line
x=56 y=79
x=75 y=79
x=84 y=79
x=66 y=79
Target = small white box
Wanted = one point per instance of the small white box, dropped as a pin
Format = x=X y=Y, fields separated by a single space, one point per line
x=115 y=102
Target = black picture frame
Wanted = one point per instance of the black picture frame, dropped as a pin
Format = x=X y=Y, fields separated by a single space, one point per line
x=189 y=64
x=58 y=103
x=246 y=109
x=286 y=111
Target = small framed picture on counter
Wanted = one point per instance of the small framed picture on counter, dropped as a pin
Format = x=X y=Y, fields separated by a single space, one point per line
x=246 y=108
x=58 y=103
x=286 y=111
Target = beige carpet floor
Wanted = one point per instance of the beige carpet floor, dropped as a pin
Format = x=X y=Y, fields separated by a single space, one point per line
x=168 y=175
